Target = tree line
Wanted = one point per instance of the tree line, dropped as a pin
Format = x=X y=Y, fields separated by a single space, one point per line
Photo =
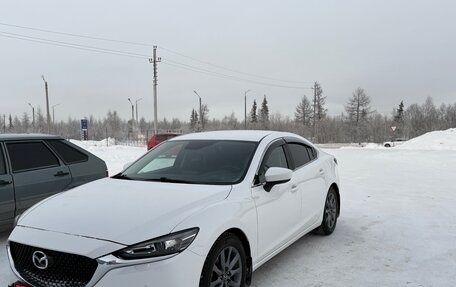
x=359 y=123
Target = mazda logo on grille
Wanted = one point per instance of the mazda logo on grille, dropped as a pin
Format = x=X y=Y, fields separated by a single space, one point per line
x=40 y=260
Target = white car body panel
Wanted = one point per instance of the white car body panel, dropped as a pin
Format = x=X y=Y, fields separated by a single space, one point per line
x=136 y=209
x=102 y=217
x=85 y=246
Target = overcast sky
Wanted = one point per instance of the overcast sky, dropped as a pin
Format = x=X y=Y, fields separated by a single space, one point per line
x=396 y=50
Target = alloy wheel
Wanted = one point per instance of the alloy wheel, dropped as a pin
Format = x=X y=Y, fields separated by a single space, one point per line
x=227 y=270
x=331 y=210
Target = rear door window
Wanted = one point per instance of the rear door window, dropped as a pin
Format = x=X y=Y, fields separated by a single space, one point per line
x=312 y=152
x=67 y=153
x=30 y=155
x=300 y=154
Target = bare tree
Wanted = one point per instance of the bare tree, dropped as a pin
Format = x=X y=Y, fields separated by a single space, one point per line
x=204 y=117
x=358 y=108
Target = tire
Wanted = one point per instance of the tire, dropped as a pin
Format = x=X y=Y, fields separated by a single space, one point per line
x=229 y=249
x=387 y=145
x=330 y=213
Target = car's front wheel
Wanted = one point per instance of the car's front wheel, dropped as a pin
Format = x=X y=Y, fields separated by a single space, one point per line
x=226 y=263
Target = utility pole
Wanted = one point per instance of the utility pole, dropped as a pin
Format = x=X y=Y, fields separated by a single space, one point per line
x=201 y=110
x=315 y=113
x=48 y=114
x=130 y=131
x=154 y=62
x=33 y=116
x=136 y=103
x=245 y=109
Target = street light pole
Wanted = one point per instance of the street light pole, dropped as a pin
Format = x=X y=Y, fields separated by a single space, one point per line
x=132 y=110
x=201 y=111
x=245 y=109
x=136 y=102
x=33 y=116
x=48 y=115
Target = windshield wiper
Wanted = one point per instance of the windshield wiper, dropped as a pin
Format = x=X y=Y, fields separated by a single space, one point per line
x=165 y=179
x=122 y=176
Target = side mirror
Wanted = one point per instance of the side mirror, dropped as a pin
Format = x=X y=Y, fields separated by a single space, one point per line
x=276 y=175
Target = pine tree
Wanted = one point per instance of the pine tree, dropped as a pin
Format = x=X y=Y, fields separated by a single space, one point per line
x=303 y=113
x=264 y=113
x=253 y=113
x=193 y=119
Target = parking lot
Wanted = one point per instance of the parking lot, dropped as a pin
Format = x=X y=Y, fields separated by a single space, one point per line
x=397 y=226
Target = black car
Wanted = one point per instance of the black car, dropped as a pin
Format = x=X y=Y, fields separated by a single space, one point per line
x=35 y=166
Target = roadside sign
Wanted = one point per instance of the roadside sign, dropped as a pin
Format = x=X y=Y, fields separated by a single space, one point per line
x=393 y=128
x=84 y=129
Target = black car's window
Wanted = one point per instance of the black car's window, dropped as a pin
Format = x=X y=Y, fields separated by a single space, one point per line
x=2 y=162
x=275 y=158
x=194 y=161
x=66 y=152
x=299 y=153
x=30 y=155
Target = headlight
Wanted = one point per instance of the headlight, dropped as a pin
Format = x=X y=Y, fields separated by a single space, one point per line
x=161 y=246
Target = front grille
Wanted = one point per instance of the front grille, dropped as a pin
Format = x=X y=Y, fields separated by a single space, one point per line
x=63 y=270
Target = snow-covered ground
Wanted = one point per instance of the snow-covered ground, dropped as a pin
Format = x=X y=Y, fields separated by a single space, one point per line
x=115 y=156
x=397 y=225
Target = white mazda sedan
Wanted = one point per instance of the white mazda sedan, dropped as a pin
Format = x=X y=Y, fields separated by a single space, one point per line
x=203 y=209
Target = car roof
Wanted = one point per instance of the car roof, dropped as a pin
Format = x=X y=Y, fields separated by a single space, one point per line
x=9 y=137
x=238 y=135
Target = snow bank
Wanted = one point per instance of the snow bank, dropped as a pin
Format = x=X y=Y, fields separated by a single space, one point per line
x=363 y=145
x=436 y=140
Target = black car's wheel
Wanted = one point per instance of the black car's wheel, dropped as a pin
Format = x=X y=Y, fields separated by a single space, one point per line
x=387 y=145
x=226 y=264
x=330 y=214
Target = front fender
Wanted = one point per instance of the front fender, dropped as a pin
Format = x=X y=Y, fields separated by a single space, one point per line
x=214 y=220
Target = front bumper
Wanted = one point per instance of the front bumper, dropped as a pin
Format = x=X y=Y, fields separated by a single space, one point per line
x=176 y=270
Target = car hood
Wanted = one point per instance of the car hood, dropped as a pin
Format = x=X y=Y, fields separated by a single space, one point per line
x=122 y=211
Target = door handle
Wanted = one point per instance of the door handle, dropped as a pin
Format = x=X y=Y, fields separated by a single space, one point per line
x=5 y=182
x=321 y=171
x=61 y=173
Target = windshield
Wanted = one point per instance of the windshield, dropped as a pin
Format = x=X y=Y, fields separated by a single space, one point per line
x=194 y=161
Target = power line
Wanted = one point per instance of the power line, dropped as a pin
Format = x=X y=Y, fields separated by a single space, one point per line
x=139 y=56
x=77 y=35
x=71 y=45
x=216 y=74
x=150 y=45
x=229 y=69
